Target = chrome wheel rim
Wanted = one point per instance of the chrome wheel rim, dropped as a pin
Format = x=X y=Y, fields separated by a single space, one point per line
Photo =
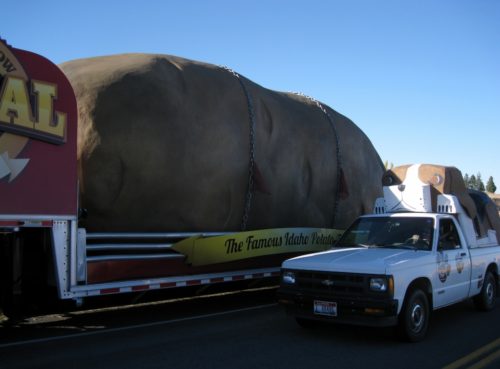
x=490 y=292
x=417 y=317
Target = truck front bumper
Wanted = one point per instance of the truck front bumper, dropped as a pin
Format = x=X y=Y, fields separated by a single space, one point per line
x=355 y=310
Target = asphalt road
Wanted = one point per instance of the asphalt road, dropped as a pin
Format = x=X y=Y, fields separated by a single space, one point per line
x=239 y=330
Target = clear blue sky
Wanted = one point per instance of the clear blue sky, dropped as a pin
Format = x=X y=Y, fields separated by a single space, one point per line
x=420 y=78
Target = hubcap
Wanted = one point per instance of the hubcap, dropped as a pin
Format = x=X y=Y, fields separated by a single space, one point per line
x=417 y=318
x=490 y=292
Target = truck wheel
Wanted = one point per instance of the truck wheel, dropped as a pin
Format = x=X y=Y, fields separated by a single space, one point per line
x=414 y=317
x=486 y=299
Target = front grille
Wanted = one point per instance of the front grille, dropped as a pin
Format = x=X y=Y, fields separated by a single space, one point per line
x=345 y=284
x=300 y=290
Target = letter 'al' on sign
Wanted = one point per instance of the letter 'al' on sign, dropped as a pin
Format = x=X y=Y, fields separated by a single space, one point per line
x=19 y=117
x=16 y=113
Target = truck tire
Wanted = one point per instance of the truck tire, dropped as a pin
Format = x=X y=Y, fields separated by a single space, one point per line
x=486 y=299
x=414 y=317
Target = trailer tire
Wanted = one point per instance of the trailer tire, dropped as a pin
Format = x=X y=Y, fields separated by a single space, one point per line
x=11 y=307
x=9 y=303
x=486 y=299
x=414 y=316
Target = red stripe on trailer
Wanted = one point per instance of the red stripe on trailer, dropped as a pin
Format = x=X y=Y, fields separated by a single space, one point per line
x=10 y=223
x=27 y=223
x=109 y=290
x=168 y=285
x=194 y=282
x=140 y=288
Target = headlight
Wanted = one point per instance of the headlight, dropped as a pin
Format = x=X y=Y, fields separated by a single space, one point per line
x=380 y=284
x=288 y=277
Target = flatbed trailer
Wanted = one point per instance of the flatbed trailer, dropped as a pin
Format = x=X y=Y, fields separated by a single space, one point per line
x=44 y=247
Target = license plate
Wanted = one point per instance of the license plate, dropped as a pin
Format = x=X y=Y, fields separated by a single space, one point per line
x=325 y=308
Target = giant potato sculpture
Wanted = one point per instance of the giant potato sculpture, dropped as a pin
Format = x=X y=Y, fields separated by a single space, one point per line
x=169 y=144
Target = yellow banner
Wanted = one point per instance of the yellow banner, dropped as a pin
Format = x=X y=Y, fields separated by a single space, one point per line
x=244 y=245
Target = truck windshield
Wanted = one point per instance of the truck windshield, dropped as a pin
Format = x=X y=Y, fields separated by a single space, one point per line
x=395 y=232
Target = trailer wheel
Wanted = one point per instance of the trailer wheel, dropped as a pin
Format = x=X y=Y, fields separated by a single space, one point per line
x=486 y=299
x=9 y=303
x=11 y=306
x=23 y=273
x=414 y=317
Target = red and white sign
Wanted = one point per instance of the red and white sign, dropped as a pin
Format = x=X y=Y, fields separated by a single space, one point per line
x=38 y=128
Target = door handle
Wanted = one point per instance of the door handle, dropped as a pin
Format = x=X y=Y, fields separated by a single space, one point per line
x=463 y=254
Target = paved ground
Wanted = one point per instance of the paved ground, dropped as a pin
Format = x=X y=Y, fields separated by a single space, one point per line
x=239 y=330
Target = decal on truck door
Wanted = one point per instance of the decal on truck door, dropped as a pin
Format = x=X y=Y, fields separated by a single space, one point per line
x=453 y=264
x=444 y=268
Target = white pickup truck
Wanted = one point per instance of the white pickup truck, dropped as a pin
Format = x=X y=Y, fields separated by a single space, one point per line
x=396 y=266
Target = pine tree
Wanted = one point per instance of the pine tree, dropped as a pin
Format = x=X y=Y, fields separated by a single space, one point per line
x=466 y=180
x=387 y=165
x=472 y=182
x=490 y=185
x=479 y=183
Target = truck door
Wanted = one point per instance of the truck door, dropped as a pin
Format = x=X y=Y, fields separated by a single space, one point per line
x=453 y=266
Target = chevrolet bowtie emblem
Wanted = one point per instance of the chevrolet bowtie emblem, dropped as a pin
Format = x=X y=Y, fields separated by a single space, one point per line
x=327 y=283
